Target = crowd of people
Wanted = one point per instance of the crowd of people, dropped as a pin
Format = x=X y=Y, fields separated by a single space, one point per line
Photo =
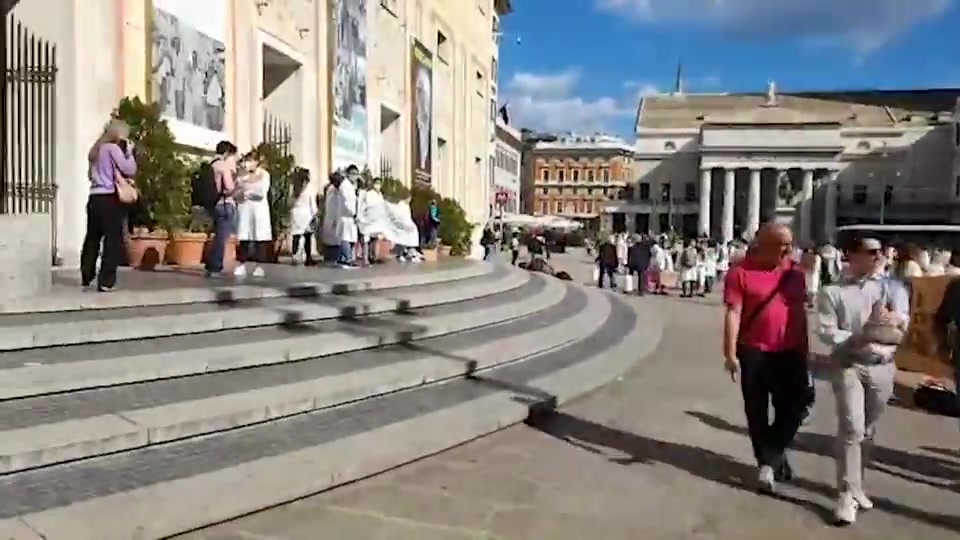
x=349 y=216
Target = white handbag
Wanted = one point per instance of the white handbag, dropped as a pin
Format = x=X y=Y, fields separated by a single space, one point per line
x=628 y=283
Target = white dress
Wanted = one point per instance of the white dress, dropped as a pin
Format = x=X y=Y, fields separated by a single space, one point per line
x=687 y=274
x=302 y=214
x=253 y=212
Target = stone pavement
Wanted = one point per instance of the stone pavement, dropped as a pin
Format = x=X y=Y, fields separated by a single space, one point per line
x=661 y=455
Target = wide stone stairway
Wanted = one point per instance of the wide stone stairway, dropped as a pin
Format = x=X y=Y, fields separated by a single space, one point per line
x=179 y=402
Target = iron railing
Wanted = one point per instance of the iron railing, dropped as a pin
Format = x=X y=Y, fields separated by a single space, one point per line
x=278 y=133
x=386 y=167
x=28 y=184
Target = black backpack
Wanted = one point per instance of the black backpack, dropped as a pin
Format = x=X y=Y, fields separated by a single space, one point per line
x=204 y=191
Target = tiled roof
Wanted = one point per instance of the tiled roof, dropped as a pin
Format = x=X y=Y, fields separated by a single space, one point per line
x=865 y=109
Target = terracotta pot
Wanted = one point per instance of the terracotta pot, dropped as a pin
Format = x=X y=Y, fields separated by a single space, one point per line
x=146 y=250
x=443 y=251
x=186 y=249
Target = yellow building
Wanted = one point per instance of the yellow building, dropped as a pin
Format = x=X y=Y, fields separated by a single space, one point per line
x=337 y=81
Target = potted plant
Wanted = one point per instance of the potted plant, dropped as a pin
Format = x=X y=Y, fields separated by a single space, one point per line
x=188 y=243
x=158 y=165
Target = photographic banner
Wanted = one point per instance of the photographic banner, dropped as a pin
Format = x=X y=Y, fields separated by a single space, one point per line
x=349 y=83
x=421 y=66
x=921 y=351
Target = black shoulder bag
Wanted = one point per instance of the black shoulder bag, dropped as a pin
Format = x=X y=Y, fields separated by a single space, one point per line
x=766 y=302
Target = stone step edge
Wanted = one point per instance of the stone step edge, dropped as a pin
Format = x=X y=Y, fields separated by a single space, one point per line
x=192 y=503
x=230 y=292
x=29 y=381
x=83 y=331
x=50 y=444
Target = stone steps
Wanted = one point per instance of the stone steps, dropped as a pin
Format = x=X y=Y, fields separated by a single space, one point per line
x=155 y=456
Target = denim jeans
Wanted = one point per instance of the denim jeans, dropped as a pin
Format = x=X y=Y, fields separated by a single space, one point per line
x=346 y=253
x=224 y=218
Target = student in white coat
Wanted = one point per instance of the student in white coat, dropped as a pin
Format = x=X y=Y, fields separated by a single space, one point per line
x=302 y=217
x=253 y=215
x=346 y=225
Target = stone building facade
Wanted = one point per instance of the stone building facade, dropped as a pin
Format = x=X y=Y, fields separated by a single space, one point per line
x=505 y=164
x=721 y=164
x=573 y=177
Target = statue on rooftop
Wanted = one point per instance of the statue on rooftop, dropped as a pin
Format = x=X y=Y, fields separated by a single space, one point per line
x=771 y=93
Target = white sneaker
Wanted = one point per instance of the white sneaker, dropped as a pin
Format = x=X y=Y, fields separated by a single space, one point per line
x=766 y=479
x=863 y=501
x=846 y=510
x=258 y=272
x=240 y=271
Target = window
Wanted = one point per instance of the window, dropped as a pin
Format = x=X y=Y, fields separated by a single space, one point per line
x=543 y=207
x=575 y=175
x=605 y=175
x=545 y=175
x=956 y=187
x=859 y=194
x=887 y=194
x=494 y=71
x=558 y=206
x=480 y=83
x=590 y=175
x=544 y=191
x=644 y=191
x=665 y=192
x=492 y=171
x=561 y=175
x=690 y=192
x=493 y=111
x=443 y=47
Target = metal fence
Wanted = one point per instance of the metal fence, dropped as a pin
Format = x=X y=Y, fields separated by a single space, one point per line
x=28 y=149
x=278 y=132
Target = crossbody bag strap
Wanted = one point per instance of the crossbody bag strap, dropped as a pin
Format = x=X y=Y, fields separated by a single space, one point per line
x=765 y=302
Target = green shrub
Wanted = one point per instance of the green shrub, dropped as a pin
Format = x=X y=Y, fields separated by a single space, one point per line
x=455 y=230
x=393 y=190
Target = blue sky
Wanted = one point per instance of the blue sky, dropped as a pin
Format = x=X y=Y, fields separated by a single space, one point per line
x=581 y=65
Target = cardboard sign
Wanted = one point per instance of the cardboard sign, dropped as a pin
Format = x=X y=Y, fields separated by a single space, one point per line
x=920 y=351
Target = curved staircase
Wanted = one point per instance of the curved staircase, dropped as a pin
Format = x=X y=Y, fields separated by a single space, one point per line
x=173 y=404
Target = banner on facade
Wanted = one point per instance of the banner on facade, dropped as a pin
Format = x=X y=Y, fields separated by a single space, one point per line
x=422 y=105
x=349 y=83
x=921 y=351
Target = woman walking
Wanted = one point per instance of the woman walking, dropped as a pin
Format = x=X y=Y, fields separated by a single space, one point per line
x=303 y=217
x=111 y=161
x=253 y=216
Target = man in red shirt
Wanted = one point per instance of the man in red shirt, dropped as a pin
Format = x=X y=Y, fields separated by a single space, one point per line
x=765 y=344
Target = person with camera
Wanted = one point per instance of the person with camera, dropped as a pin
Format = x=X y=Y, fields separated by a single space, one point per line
x=863 y=317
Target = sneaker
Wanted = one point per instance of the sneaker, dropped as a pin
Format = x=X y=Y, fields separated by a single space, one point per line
x=846 y=511
x=258 y=272
x=784 y=473
x=347 y=266
x=240 y=271
x=766 y=479
x=863 y=501
x=102 y=288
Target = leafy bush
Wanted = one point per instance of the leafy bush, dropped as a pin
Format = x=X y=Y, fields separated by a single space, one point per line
x=393 y=190
x=455 y=230
x=162 y=172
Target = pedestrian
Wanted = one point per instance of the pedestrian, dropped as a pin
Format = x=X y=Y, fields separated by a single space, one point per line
x=514 y=248
x=222 y=209
x=254 y=231
x=638 y=262
x=607 y=262
x=710 y=264
x=687 y=261
x=346 y=224
x=303 y=216
x=862 y=319
x=765 y=346
x=488 y=241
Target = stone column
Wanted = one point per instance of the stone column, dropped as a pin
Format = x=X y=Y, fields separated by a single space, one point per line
x=753 y=204
x=806 y=206
x=830 y=207
x=629 y=222
x=705 y=178
x=729 y=192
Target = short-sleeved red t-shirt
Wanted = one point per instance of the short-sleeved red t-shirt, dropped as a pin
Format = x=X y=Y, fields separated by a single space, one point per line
x=781 y=326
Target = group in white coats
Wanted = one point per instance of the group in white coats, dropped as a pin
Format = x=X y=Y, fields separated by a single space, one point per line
x=339 y=228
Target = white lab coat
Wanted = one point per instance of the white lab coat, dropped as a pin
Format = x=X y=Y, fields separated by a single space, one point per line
x=253 y=212
x=331 y=214
x=302 y=214
x=372 y=218
x=346 y=196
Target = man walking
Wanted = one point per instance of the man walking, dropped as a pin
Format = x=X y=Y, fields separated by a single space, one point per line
x=863 y=317
x=765 y=345
x=638 y=262
x=607 y=262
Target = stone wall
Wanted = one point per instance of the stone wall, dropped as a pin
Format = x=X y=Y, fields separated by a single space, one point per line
x=25 y=256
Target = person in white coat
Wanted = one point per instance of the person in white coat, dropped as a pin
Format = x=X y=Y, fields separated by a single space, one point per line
x=331 y=213
x=302 y=217
x=346 y=225
x=372 y=220
x=253 y=216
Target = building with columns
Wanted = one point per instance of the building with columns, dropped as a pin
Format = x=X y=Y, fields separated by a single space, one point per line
x=574 y=176
x=331 y=80
x=722 y=164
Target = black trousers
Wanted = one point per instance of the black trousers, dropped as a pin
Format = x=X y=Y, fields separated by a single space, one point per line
x=307 y=245
x=251 y=251
x=780 y=378
x=104 y=226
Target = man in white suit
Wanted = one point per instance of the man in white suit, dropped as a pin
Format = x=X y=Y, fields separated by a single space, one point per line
x=346 y=225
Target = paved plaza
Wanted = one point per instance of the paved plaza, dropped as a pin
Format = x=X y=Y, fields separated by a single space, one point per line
x=661 y=454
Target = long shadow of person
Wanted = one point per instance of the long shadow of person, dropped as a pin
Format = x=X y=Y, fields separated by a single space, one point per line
x=929 y=470
x=700 y=462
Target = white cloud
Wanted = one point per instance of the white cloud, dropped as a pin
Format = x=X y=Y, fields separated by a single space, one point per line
x=865 y=25
x=550 y=102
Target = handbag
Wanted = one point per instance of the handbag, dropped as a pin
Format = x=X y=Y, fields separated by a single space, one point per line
x=126 y=190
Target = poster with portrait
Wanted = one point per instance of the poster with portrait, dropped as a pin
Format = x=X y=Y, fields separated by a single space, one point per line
x=349 y=82
x=422 y=104
x=920 y=351
x=188 y=68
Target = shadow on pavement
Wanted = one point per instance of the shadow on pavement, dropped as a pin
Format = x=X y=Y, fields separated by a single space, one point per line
x=703 y=463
